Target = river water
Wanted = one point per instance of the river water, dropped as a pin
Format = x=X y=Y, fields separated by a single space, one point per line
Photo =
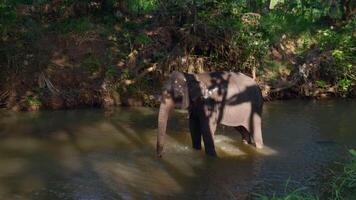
x=110 y=154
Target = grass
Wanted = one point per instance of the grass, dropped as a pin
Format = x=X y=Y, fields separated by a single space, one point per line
x=295 y=195
x=341 y=186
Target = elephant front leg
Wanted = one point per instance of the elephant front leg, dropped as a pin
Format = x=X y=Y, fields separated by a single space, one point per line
x=209 y=144
x=208 y=131
x=195 y=131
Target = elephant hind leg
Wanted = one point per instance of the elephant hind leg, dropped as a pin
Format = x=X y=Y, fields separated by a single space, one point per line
x=246 y=136
x=257 y=135
x=208 y=139
x=256 y=130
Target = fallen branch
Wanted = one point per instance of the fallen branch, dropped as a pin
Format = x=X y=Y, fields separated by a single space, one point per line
x=49 y=84
x=4 y=95
x=146 y=71
x=281 y=88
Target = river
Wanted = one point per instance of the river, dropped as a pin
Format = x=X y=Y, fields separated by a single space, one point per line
x=110 y=154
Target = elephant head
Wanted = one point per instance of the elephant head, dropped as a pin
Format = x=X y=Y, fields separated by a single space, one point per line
x=175 y=94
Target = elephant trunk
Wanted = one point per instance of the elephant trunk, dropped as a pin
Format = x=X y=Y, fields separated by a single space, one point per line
x=164 y=110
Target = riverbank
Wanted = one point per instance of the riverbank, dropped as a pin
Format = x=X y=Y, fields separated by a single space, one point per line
x=338 y=185
x=63 y=55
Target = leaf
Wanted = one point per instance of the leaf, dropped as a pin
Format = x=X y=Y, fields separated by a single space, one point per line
x=273 y=3
x=353 y=152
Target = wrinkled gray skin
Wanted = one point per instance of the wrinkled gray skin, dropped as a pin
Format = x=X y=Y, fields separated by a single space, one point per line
x=228 y=98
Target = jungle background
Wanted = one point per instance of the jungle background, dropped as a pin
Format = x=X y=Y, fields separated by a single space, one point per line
x=78 y=53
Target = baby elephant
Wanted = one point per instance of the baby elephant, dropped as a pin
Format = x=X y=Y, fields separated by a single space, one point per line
x=228 y=98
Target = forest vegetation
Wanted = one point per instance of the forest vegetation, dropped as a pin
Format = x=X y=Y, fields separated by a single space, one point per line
x=57 y=54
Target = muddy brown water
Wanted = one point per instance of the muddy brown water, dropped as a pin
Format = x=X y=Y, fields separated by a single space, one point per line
x=109 y=154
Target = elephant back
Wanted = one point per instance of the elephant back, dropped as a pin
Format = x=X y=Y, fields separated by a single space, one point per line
x=243 y=99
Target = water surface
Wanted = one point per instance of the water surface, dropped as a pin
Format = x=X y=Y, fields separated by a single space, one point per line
x=109 y=154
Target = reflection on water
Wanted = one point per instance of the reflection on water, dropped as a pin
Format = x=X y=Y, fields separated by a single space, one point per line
x=98 y=154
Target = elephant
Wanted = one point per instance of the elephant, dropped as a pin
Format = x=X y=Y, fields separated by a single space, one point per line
x=212 y=98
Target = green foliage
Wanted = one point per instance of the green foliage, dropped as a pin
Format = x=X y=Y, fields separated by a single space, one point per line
x=341 y=44
x=73 y=25
x=111 y=71
x=273 y=3
x=327 y=38
x=344 y=84
x=142 y=6
x=343 y=186
x=227 y=34
x=91 y=64
x=8 y=20
x=33 y=101
x=239 y=33
x=142 y=39
x=8 y=14
x=307 y=40
x=321 y=83
x=353 y=152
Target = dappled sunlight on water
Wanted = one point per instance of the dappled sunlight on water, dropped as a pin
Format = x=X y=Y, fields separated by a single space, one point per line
x=98 y=154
